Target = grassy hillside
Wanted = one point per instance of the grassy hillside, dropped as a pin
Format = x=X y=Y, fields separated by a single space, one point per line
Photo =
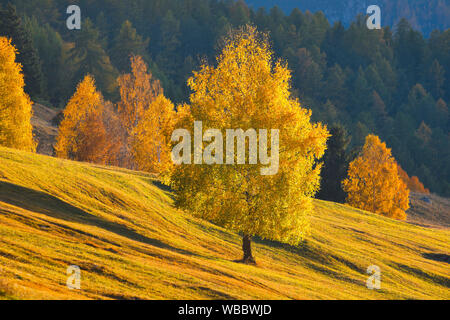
x=129 y=241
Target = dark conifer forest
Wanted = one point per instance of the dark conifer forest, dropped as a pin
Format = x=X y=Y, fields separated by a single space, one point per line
x=392 y=82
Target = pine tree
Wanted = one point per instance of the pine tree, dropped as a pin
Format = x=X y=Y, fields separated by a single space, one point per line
x=49 y=45
x=170 y=44
x=126 y=44
x=436 y=79
x=90 y=58
x=444 y=114
x=11 y=27
x=335 y=165
x=239 y=13
x=376 y=82
x=308 y=76
x=329 y=113
x=410 y=52
x=361 y=92
x=335 y=87
x=424 y=133
x=378 y=109
x=334 y=44
x=421 y=105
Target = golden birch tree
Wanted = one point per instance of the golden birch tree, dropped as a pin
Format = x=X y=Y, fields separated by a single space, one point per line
x=374 y=183
x=151 y=137
x=246 y=90
x=16 y=110
x=82 y=134
x=138 y=90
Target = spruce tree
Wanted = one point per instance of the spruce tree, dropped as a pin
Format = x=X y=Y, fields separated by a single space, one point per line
x=169 y=44
x=361 y=93
x=90 y=58
x=11 y=27
x=335 y=87
x=335 y=165
x=308 y=76
x=127 y=43
x=49 y=46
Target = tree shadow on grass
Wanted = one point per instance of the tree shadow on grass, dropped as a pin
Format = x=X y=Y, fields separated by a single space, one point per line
x=161 y=186
x=43 y=203
x=423 y=274
x=304 y=249
x=440 y=257
x=312 y=255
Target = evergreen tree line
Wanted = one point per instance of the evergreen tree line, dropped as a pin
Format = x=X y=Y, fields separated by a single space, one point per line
x=424 y=15
x=392 y=83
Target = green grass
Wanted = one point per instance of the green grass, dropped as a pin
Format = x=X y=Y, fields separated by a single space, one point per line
x=130 y=243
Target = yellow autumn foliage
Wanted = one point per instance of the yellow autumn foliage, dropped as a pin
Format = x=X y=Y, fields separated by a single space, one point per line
x=16 y=110
x=249 y=90
x=413 y=183
x=82 y=133
x=138 y=92
x=150 y=141
x=374 y=183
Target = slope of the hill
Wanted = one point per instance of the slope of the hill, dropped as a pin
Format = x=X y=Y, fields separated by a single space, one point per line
x=44 y=130
x=429 y=209
x=129 y=241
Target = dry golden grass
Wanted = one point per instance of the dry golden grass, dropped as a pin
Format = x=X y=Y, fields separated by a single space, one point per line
x=130 y=243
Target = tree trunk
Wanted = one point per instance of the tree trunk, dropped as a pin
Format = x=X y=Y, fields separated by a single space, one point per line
x=247 y=248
